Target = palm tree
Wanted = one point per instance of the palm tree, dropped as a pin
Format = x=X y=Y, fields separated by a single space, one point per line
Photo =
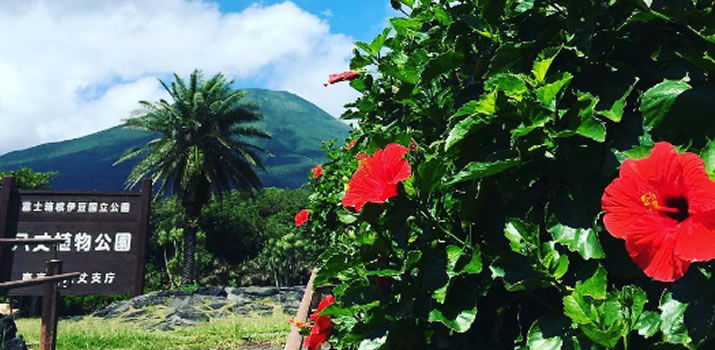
x=200 y=148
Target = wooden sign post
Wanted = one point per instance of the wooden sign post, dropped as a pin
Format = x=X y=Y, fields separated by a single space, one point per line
x=104 y=238
x=100 y=235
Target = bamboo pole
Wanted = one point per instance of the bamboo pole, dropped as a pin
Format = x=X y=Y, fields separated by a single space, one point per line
x=294 y=340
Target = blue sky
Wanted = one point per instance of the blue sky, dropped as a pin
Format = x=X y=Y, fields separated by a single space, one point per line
x=361 y=19
x=81 y=66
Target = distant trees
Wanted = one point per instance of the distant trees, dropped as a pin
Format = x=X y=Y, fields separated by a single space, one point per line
x=245 y=239
x=200 y=148
x=28 y=179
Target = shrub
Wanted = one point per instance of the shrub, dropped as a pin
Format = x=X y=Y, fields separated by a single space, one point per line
x=518 y=113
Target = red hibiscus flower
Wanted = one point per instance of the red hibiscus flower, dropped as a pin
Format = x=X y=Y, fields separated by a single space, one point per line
x=301 y=217
x=321 y=328
x=317 y=171
x=344 y=76
x=664 y=207
x=377 y=177
x=350 y=145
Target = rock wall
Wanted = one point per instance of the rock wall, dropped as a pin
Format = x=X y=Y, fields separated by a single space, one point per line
x=167 y=310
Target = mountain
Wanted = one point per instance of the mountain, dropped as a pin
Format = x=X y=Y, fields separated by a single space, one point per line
x=298 y=127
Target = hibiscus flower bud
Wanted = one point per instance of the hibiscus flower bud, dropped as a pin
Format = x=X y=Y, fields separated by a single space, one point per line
x=317 y=171
x=301 y=217
x=344 y=76
x=350 y=145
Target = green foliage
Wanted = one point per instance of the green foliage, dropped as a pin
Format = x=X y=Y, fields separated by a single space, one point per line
x=28 y=179
x=519 y=113
x=249 y=240
x=233 y=331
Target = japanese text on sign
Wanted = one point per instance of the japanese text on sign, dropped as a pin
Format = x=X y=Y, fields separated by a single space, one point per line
x=76 y=207
x=81 y=242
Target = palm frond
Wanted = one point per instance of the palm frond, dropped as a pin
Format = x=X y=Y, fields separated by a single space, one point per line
x=198 y=147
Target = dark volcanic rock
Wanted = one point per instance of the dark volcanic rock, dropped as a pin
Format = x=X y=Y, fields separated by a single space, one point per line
x=153 y=298
x=217 y=305
x=8 y=330
x=114 y=309
x=8 y=333
x=211 y=291
x=136 y=313
x=16 y=343
x=261 y=292
x=191 y=314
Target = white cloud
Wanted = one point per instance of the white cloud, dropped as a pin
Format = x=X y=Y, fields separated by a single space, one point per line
x=69 y=68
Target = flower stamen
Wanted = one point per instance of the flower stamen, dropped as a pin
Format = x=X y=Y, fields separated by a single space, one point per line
x=650 y=200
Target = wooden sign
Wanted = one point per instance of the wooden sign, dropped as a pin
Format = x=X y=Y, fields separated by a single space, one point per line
x=104 y=238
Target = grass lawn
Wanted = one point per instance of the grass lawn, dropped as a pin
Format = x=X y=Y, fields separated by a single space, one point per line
x=98 y=333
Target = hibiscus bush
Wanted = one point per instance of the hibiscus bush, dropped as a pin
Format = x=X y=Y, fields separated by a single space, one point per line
x=525 y=174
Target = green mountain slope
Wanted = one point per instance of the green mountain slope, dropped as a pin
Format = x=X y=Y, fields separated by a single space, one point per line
x=298 y=127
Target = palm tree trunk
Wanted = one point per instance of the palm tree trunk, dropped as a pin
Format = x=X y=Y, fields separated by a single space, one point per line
x=188 y=275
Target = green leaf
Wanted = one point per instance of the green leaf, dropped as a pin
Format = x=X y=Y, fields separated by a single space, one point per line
x=570 y=221
x=460 y=262
x=589 y=126
x=547 y=93
x=635 y=299
x=346 y=218
x=461 y=323
x=413 y=257
x=656 y=103
x=547 y=333
x=441 y=64
x=384 y=273
x=478 y=170
x=379 y=41
x=453 y=255
x=462 y=129
x=595 y=286
x=637 y=152
x=577 y=309
x=644 y=4
x=523 y=237
x=615 y=113
x=409 y=186
x=485 y=105
x=543 y=62
x=581 y=240
x=365 y=47
x=523 y=5
x=372 y=344
x=648 y=324
x=672 y=323
x=429 y=175
x=708 y=156
x=474 y=265
x=517 y=273
x=405 y=26
x=607 y=337
x=507 y=56
x=512 y=85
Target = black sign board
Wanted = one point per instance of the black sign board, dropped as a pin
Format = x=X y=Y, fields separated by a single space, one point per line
x=105 y=238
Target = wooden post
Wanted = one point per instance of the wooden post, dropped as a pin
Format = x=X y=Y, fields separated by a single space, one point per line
x=50 y=304
x=6 y=229
x=294 y=339
x=145 y=201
